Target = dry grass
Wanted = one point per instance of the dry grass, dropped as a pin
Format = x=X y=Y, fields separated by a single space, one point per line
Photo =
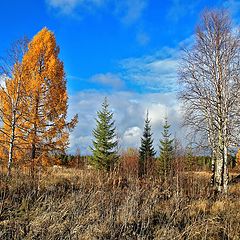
x=78 y=204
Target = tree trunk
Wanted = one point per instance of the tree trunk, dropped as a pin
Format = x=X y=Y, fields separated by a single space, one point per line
x=213 y=167
x=225 y=170
x=11 y=144
x=218 y=172
x=33 y=155
x=35 y=127
x=221 y=171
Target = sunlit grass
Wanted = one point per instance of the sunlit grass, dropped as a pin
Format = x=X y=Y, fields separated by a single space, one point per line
x=68 y=203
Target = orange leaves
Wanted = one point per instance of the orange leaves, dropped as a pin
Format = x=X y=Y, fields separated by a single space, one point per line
x=48 y=95
x=35 y=101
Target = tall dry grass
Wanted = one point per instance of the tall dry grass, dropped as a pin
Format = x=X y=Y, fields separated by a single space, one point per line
x=86 y=204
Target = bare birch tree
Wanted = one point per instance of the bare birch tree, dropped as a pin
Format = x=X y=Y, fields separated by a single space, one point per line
x=11 y=96
x=210 y=88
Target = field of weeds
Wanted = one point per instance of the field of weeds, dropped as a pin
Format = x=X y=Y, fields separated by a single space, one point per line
x=77 y=204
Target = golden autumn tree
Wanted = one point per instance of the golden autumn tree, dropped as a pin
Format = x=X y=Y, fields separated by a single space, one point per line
x=46 y=97
x=12 y=132
x=12 y=108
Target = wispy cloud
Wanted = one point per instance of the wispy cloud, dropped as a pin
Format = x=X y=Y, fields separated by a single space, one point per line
x=64 y=6
x=127 y=11
x=156 y=75
x=68 y=7
x=234 y=7
x=143 y=38
x=180 y=9
x=153 y=72
x=131 y=10
x=148 y=73
x=109 y=80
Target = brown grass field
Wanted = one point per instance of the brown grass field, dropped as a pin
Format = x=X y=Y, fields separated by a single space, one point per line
x=85 y=204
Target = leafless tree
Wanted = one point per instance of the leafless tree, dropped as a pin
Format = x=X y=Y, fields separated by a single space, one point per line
x=210 y=88
x=11 y=95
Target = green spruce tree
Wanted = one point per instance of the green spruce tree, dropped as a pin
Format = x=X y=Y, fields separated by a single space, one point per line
x=105 y=144
x=166 y=150
x=146 y=151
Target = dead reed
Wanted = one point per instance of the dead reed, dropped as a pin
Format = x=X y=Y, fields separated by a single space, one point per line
x=86 y=204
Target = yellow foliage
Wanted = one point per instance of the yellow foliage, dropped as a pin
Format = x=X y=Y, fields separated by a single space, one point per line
x=34 y=101
x=47 y=95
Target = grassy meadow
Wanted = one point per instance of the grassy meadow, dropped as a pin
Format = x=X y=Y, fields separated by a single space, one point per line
x=70 y=203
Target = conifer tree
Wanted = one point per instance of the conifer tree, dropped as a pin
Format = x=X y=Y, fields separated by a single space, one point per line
x=146 y=151
x=105 y=144
x=46 y=97
x=33 y=103
x=166 y=149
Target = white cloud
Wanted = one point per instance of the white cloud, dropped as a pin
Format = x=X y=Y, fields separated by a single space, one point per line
x=129 y=112
x=158 y=72
x=132 y=136
x=157 y=113
x=153 y=72
x=108 y=79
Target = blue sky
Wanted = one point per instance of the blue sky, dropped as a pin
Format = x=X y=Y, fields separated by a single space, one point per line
x=127 y=50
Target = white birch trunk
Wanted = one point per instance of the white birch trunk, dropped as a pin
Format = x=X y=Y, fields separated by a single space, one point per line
x=11 y=144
